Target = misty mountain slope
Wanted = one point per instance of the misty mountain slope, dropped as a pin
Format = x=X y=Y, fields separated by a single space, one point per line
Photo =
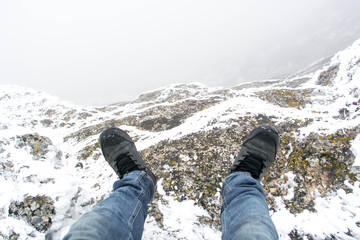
x=52 y=170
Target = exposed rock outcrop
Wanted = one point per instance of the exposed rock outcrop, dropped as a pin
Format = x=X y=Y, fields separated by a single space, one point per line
x=37 y=211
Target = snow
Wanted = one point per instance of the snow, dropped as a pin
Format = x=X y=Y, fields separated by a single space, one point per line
x=335 y=214
x=180 y=220
x=22 y=109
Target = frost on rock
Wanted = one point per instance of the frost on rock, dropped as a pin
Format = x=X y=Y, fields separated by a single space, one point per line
x=37 y=211
x=38 y=144
x=40 y=147
x=327 y=77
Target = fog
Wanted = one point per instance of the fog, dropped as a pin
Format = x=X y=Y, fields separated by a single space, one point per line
x=101 y=52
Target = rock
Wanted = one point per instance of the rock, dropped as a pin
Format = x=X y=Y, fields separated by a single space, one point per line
x=47 y=122
x=344 y=113
x=12 y=236
x=273 y=190
x=84 y=115
x=2 y=143
x=50 y=112
x=88 y=151
x=255 y=84
x=327 y=77
x=194 y=166
x=286 y=98
x=69 y=115
x=37 y=211
x=160 y=118
x=5 y=97
x=6 y=166
x=86 y=132
x=38 y=144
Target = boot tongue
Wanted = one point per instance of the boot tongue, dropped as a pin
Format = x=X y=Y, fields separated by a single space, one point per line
x=251 y=165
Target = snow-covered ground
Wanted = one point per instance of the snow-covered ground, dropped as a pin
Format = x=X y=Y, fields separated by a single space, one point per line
x=75 y=190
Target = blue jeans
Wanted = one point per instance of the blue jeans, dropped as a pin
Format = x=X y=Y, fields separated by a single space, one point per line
x=244 y=214
x=121 y=215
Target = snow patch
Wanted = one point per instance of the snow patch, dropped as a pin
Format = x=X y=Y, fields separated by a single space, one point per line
x=180 y=220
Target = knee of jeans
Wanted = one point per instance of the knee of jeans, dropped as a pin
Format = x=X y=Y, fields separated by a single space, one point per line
x=254 y=228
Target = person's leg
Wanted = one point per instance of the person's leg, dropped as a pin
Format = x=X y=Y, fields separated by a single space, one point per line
x=245 y=214
x=121 y=215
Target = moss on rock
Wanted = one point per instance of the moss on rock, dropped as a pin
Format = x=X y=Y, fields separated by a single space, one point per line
x=287 y=98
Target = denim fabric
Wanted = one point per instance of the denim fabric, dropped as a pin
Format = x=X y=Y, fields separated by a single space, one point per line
x=245 y=213
x=121 y=215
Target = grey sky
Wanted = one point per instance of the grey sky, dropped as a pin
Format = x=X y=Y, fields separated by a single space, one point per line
x=100 y=52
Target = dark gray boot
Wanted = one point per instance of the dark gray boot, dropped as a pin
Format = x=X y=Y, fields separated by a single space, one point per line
x=258 y=152
x=120 y=152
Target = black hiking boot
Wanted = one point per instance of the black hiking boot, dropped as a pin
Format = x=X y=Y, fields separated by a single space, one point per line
x=258 y=152
x=120 y=152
